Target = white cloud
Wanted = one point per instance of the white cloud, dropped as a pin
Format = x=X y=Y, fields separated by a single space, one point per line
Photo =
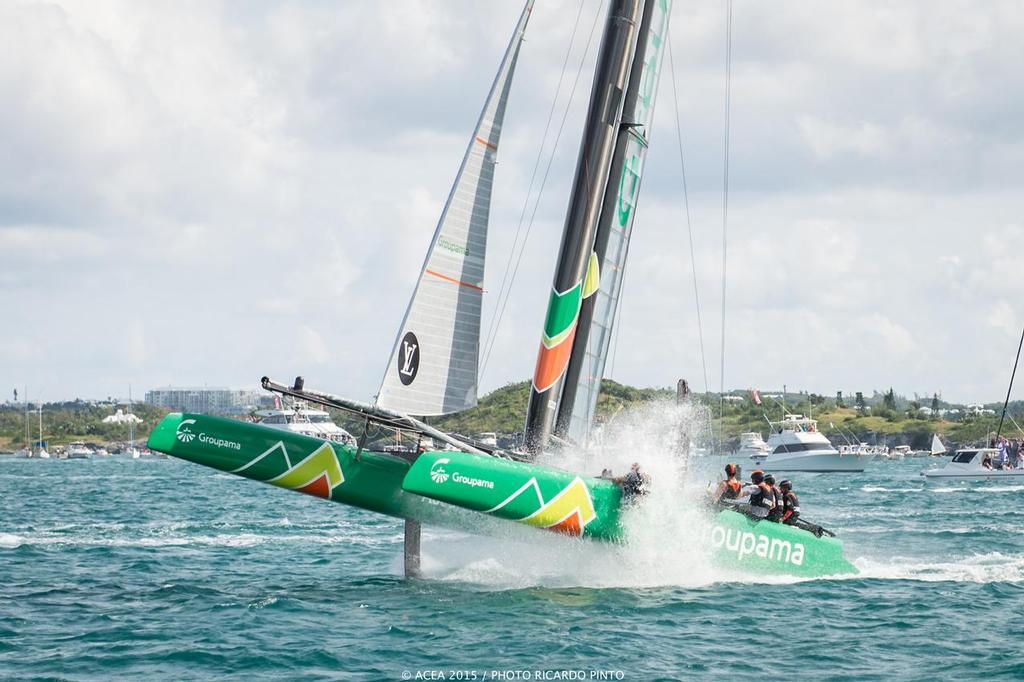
x=218 y=191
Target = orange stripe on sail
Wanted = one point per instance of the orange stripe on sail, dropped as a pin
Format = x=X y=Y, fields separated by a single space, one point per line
x=452 y=280
x=486 y=143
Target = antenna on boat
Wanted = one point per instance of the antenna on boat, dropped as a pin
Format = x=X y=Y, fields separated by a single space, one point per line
x=1010 y=388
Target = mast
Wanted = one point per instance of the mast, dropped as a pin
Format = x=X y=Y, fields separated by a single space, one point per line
x=131 y=423
x=592 y=168
x=614 y=229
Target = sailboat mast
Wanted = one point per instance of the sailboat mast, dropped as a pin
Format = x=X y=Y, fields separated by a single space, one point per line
x=592 y=169
x=614 y=228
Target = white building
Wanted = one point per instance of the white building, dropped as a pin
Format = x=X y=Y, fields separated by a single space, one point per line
x=122 y=417
x=209 y=400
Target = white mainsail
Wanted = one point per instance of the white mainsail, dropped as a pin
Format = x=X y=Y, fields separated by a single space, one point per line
x=433 y=366
x=937 y=447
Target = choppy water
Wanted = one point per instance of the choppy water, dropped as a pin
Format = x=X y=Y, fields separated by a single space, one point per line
x=115 y=569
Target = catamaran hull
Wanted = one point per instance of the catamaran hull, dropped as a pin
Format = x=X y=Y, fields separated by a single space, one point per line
x=437 y=487
x=740 y=543
x=461 y=490
x=814 y=463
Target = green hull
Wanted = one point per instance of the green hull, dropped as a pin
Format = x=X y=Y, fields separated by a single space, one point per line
x=534 y=495
x=454 y=488
x=740 y=543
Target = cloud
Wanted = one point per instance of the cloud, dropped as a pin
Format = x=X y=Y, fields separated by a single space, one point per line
x=215 y=191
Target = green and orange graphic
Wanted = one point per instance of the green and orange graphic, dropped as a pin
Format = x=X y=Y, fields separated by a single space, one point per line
x=560 y=327
x=317 y=474
x=567 y=512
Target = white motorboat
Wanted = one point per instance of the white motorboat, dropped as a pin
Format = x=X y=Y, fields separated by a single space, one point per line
x=898 y=452
x=796 y=444
x=307 y=421
x=974 y=464
x=77 y=450
x=752 y=445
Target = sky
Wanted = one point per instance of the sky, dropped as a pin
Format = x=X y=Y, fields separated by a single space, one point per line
x=201 y=193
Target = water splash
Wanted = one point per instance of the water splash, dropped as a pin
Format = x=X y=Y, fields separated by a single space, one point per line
x=664 y=544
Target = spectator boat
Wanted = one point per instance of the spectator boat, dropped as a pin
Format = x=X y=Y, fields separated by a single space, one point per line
x=969 y=464
x=796 y=444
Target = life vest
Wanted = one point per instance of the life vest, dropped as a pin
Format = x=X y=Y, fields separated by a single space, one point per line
x=763 y=497
x=791 y=506
x=732 y=489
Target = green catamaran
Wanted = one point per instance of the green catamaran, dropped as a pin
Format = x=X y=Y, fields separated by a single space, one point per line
x=434 y=362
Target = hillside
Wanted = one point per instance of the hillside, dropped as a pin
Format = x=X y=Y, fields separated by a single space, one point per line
x=504 y=410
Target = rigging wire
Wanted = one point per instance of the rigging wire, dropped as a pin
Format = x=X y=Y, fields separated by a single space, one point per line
x=689 y=224
x=1012 y=375
x=725 y=215
x=533 y=177
x=540 y=191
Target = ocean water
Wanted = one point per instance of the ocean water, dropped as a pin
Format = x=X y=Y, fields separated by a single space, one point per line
x=160 y=569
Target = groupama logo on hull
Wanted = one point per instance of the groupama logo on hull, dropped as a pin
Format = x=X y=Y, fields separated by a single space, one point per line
x=439 y=475
x=745 y=543
x=186 y=435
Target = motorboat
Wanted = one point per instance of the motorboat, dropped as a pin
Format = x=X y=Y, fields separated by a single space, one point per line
x=898 y=452
x=77 y=450
x=752 y=445
x=973 y=464
x=307 y=421
x=796 y=444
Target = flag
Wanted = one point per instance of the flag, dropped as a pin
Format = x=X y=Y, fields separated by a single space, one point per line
x=756 y=395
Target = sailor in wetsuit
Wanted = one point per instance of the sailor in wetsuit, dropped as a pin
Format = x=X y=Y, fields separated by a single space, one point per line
x=761 y=497
x=775 y=513
x=790 y=504
x=729 y=489
x=634 y=484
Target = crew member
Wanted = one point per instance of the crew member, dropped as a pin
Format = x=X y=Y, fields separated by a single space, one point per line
x=761 y=496
x=790 y=504
x=634 y=484
x=729 y=489
x=775 y=513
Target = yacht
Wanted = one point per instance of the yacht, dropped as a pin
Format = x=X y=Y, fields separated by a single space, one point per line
x=972 y=465
x=796 y=444
x=307 y=421
x=752 y=445
x=77 y=450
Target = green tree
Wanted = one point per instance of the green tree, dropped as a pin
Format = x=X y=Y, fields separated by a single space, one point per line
x=859 y=401
x=889 y=401
x=839 y=399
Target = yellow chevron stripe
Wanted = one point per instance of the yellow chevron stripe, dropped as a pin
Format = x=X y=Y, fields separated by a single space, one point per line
x=322 y=461
x=574 y=497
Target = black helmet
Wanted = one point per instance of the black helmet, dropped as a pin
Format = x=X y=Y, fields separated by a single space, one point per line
x=785 y=484
x=757 y=476
x=769 y=479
